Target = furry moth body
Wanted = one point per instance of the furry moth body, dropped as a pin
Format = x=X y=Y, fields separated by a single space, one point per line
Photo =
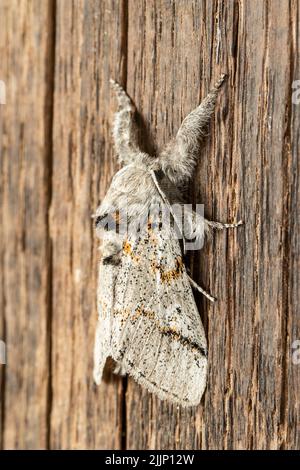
x=148 y=320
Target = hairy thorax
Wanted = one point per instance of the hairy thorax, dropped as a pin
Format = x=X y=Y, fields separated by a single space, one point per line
x=133 y=194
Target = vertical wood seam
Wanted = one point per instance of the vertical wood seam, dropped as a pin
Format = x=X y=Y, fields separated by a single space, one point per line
x=49 y=123
x=123 y=72
x=3 y=375
x=286 y=237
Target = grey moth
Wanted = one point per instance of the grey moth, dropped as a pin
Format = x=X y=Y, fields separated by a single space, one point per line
x=148 y=319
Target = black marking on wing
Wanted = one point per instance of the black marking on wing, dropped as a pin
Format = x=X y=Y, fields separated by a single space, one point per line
x=108 y=221
x=112 y=260
x=177 y=337
x=185 y=341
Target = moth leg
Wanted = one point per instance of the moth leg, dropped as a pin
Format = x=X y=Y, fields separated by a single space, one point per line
x=124 y=128
x=196 y=226
x=179 y=157
x=210 y=224
x=201 y=290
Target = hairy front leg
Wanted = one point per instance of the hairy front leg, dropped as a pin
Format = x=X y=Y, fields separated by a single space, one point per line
x=211 y=224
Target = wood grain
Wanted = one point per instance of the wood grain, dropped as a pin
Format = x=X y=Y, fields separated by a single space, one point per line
x=56 y=164
x=246 y=172
x=89 y=47
x=26 y=38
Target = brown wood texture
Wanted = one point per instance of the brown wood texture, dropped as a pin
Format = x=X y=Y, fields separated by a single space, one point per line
x=56 y=164
x=26 y=69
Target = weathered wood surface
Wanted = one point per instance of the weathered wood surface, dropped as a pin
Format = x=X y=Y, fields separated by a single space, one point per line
x=26 y=68
x=56 y=164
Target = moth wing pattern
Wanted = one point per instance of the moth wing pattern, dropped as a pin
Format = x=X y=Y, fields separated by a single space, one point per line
x=149 y=322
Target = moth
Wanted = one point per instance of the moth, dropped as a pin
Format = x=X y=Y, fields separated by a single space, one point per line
x=148 y=319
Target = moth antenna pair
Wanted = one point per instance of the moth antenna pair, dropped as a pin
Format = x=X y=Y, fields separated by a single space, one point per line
x=178 y=157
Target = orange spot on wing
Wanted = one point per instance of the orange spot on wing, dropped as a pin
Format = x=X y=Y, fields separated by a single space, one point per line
x=127 y=250
x=172 y=274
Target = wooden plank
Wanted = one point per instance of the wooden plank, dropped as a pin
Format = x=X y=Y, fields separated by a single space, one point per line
x=26 y=66
x=175 y=51
x=90 y=47
x=273 y=258
x=56 y=153
x=290 y=409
